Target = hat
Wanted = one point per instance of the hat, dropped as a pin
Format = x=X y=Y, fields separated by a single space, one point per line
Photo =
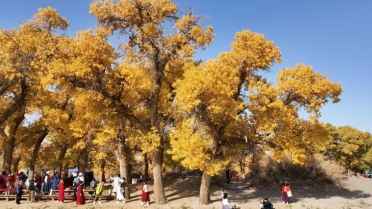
x=48 y=172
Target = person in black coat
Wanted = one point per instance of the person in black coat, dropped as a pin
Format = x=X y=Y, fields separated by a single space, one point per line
x=265 y=204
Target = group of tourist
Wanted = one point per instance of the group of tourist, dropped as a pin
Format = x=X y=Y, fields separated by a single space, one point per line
x=11 y=180
x=46 y=184
x=15 y=182
x=74 y=184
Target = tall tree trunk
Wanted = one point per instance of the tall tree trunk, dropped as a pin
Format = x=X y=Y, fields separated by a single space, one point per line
x=102 y=173
x=242 y=163
x=8 y=147
x=35 y=152
x=83 y=158
x=157 y=161
x=66 y=168
x=157 y=155
x=61 y=157
x=146 y=161
x=16 y=163
x=129 y=166
x=123 y=161
x=9 y=144
x=204 y=197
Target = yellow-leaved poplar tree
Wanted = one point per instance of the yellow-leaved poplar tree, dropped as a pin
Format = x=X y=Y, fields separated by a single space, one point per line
x=138 y=87
x=25 y=55
x=211 y=105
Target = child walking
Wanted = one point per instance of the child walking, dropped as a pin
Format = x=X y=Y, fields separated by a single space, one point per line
x=225 y=201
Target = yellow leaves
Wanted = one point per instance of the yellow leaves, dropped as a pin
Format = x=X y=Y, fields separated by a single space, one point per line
x=152 y=30
x=105 y=135
x=186 y=21
x=188 y=26
x=137 y=81
x=212 y=83
x=48 y=18
x=79 y=144
x=191 y=149
x=92 y=55
x=212 y=104
x=255 y=50
x=150 y=141
x=131 y=13
x=307 y=88
x=54 y=116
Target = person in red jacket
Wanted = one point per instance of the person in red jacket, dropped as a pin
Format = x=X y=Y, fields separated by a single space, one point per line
x=11 y=179
x=61 y=191
x=80 y=198
x=3 y=179
x=285 y=189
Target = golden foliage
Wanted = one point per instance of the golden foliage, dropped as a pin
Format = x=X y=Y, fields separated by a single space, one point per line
x=149 y=89
x=307 y=88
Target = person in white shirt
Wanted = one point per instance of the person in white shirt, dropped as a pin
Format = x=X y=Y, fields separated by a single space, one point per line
x=145 y=197
x=225 y=201
x=116 y=184
x=81 y=177
x=46 y=181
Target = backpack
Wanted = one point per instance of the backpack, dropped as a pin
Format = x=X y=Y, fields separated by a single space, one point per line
x=1 y=180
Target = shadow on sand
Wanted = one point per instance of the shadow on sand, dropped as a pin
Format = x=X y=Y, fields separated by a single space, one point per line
x=242 y=192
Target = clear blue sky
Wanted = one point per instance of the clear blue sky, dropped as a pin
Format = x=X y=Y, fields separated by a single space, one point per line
x=333 y=36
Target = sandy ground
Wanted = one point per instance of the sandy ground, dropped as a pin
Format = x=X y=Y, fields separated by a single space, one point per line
x=351 y=193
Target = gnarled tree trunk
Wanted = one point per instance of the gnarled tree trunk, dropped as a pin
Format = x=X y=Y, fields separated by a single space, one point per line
x=83 y=160
x=61 y=157
x=204 y=197
x=9 y=144
x=157 y=161
x=6 y=158
x=35 y=152
x=146 y=161
x=101 y=177
x=124 y=166
x=16 y=161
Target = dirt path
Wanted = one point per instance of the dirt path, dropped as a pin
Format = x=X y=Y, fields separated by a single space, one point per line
x=352 y=193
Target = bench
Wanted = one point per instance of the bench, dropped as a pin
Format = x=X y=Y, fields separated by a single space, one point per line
x=10 y=194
